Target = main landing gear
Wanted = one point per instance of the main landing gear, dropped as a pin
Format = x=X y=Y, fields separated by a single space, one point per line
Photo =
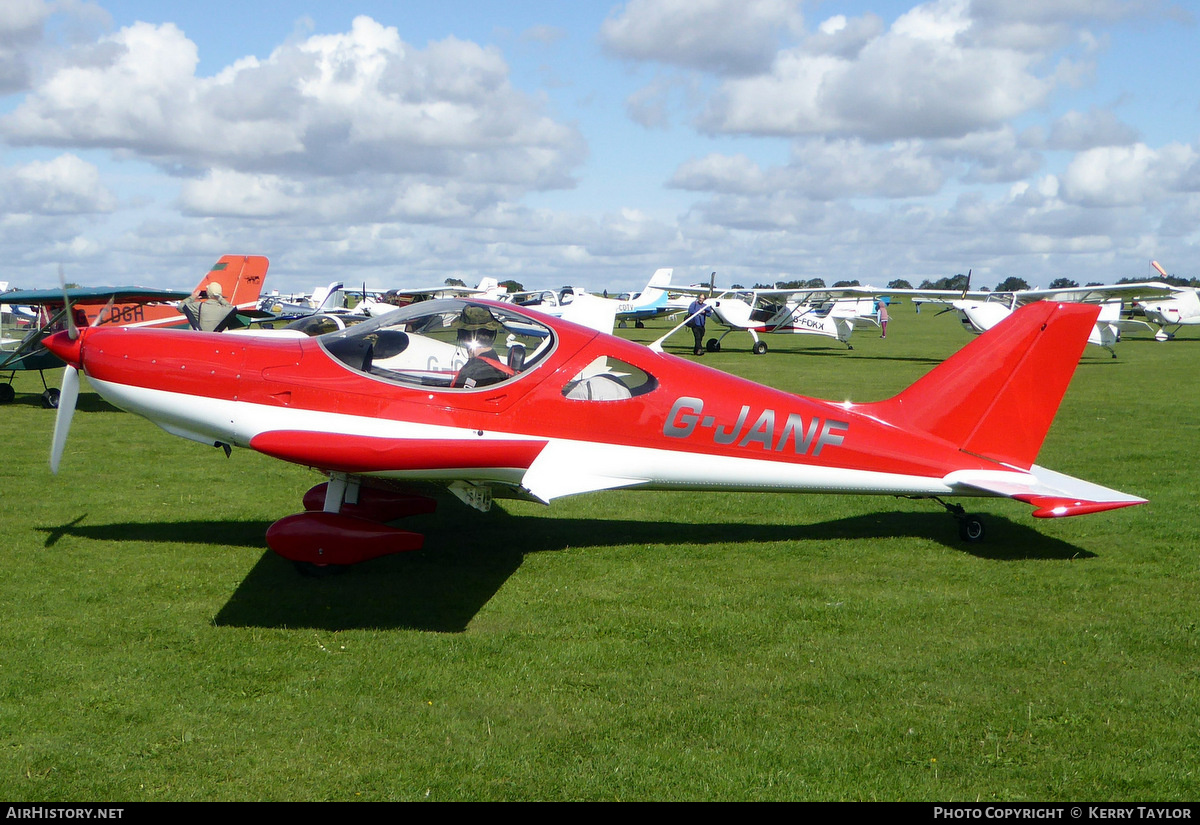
x=49 y=394
x=345 y=523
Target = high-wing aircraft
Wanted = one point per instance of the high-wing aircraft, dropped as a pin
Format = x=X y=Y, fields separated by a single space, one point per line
x=488 y=288
x=980 y=311
x=493 y=400
x=832 y=312
x=1180 y=308
x=240 y=276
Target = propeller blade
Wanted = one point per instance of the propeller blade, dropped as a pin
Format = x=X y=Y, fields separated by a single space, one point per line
x=967 y=288
x=68 y=395
x=72 y=330
x=107 y=308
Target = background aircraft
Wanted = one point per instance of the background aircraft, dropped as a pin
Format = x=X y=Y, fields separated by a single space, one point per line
x=980 y=311
x=653 y=301
x=1182 y=308
x=567 y=410
x=488 y=288
x=833 y=312
x=241 y=278
x=637 y=307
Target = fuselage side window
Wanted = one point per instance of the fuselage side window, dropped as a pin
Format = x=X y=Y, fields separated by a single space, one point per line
x=609 y=379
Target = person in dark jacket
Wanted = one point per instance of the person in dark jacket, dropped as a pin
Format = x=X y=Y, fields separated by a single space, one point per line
x=698 y=312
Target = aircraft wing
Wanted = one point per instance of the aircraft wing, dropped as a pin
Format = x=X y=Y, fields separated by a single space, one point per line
x=1096 y=294
x=93 y=295
x=1053 y=494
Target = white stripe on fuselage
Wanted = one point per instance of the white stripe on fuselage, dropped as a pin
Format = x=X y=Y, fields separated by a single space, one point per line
x=564 y=467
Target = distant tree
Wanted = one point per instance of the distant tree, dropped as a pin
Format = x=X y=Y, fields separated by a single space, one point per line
x=455 y=282
x=1011 y=284
x=847 y=283
x=1063 y=283
x=899 y=283
x=814 y=283
x=958 y=283
x=512 y=286
x=1173 y=280
x=736 y=286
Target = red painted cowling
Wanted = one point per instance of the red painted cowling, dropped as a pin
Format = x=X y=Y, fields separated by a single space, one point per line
x=375 y=504
x=333 y=538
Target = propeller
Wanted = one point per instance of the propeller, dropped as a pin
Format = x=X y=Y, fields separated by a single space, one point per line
x=68 y=393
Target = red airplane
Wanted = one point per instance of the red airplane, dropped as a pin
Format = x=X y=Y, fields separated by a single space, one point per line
x=491 y=399
x=241 y=278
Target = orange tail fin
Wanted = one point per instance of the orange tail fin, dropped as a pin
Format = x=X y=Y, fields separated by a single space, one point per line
x=241 y=278
x=997 y=396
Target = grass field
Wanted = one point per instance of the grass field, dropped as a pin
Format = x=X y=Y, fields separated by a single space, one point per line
x=633 y=646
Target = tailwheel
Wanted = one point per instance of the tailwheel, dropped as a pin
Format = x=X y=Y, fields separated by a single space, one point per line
x=970 y=529
x=970 y=526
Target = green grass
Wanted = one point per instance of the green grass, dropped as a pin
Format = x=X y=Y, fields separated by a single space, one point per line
x=613 y=646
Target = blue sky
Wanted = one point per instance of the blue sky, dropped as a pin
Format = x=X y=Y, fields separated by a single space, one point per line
x=589 y=143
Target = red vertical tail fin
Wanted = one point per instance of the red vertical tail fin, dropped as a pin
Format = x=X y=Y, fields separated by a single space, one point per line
x=997 y=396
x=241 y=278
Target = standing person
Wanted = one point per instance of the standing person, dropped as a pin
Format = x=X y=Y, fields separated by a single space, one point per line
x=207 y=313
x=698 y=312
x=883 y=318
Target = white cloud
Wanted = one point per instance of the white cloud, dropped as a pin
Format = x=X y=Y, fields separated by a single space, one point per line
x=1128 y=175
x=725 y=36
x=819 y=170
x=20 y=31
x=1077 y=131
x=65 y=185
x=358 y=102
x=923 y=77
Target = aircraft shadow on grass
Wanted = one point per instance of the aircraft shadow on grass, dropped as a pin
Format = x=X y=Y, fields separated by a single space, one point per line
x=467 y=560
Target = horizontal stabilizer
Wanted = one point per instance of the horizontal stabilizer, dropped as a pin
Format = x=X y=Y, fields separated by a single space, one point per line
x=1055 y=495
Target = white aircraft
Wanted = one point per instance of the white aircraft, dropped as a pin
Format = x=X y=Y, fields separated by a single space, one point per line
x=488 y=288
x=980 y=311
x=833 y=312
x=1182 y=308
x=651 y=302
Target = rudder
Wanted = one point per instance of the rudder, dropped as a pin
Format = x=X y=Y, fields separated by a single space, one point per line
x=241 y=278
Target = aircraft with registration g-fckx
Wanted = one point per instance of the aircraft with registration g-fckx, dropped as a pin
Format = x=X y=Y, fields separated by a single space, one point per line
x=491 y=400
x=831 y=312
